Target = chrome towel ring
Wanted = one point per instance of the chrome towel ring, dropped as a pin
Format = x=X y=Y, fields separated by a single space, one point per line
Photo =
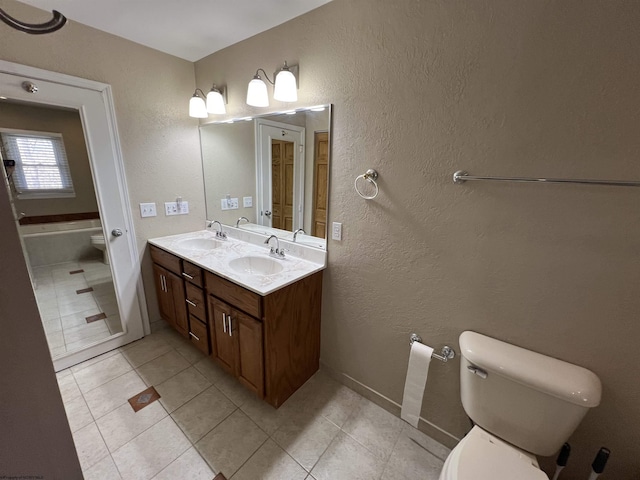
x=370 y=176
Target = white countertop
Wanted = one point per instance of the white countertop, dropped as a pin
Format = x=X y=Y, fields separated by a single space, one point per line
x=217 y=260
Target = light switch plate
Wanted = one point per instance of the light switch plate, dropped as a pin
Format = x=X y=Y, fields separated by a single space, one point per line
x=247 y=202
x=336 y=231
x=148 y=210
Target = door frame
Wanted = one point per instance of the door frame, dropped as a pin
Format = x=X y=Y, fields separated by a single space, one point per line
x=95 y=106
x=264 y=184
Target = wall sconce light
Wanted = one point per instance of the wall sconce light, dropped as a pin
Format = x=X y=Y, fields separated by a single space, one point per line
x=215 y=102
x=285 y=87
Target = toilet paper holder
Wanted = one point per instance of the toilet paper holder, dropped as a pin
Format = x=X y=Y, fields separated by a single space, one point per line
x=447 y=352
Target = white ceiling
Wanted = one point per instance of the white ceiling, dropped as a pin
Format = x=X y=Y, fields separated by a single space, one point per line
x=189 y=29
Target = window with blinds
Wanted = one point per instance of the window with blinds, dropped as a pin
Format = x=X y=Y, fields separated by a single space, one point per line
x=42 y=169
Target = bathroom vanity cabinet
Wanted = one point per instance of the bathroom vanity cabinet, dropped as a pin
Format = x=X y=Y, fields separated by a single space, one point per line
x=170 y=290
x=270 y=343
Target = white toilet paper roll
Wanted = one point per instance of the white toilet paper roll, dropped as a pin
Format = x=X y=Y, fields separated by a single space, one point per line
x=419 y=361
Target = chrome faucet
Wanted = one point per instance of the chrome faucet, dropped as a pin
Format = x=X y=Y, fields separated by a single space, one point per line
x=219 y=233
x=277 y=252
x=241 y=218
x=295 y=234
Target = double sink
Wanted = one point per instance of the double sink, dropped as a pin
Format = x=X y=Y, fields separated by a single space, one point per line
x=249 y=264
x=245 y=262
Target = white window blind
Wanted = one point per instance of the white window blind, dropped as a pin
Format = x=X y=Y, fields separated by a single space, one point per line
x=42 y=169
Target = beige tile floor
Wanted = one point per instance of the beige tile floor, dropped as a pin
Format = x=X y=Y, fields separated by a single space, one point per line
x=207 y=423
x=63 y=311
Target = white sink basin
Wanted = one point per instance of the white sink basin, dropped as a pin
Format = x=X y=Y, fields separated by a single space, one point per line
x=255 y=265
x=198 y=243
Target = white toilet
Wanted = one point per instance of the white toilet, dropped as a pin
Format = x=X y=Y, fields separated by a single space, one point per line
x=98 y=242
x=522 y=404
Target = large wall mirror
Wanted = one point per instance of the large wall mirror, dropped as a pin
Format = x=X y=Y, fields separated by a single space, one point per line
x=272 y=169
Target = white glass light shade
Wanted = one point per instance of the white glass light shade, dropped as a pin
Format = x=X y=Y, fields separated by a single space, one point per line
x=286 y=89
x=257 y=95
x=197 y=107
x=215 y=102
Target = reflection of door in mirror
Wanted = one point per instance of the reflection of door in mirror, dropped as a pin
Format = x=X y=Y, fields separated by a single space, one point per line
x=282 y=184
x=320 y=183
x=58 y=220
x=280 y=160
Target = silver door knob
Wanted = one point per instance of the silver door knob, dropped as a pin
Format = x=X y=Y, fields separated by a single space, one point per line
x=116 y=232
x=267 y=213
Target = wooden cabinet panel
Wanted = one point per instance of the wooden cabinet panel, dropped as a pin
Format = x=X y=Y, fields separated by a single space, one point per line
x=219 y=313
x=165 y=299
x=195 y=301
x=250 y=361
x=192 y=273
x=166 y=260
x=179 y=304
x=235 y=295
x=198 y=334
x=291 y=337
x=171 y=299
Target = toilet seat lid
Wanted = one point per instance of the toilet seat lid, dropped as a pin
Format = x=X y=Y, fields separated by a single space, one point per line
x=482 y=456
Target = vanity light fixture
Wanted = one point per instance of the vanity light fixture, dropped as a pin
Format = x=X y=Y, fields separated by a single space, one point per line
x=285 y=87
x=215 y=101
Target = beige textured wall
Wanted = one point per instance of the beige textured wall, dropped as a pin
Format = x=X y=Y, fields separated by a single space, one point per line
x=151 y=92
x=68 y=124
x=424 y=88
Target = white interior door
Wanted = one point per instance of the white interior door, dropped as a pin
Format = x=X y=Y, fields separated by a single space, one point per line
x=94 y=103
x=266 y=131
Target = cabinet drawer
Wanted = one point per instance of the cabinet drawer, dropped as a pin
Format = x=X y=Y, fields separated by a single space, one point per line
x=167 y=260
x=198 y=334
x=195 y=301
x=239 y=297
x=192 y=273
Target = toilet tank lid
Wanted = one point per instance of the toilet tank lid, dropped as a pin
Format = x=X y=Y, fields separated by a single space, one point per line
x=560 y=379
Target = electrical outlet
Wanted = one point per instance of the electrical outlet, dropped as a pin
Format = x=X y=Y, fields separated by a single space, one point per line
x=232 y=203
x=223 y=204
x=336 y=231
x=175 y=208
x=170 y=208
x=148 y=210
x=247 y=202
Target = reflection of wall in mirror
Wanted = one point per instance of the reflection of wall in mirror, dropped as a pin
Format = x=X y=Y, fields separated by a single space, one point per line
x=68 y=124
x=228 y=155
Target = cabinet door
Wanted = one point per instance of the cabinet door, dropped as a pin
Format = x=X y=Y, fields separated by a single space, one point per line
x=220 y=318
x=250 y=363
x=176 y=289
x=165 y=299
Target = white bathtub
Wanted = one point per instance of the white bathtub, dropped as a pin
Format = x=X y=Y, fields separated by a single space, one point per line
x=59 y=242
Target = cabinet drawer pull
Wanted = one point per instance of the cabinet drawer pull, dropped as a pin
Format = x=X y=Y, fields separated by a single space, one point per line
x=230 y=329
x=163 y=283
x=187 y=276
x=224 y=322
x=191 y=333
x=191 y=303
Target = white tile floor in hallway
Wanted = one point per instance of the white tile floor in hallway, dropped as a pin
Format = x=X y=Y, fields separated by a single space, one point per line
x=206 y=423
x=64 y=311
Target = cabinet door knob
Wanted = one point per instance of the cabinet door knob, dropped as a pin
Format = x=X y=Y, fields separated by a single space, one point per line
x=230 y=328
x=224 y=322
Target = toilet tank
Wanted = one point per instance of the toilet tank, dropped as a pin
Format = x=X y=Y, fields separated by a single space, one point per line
x=532 y=401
